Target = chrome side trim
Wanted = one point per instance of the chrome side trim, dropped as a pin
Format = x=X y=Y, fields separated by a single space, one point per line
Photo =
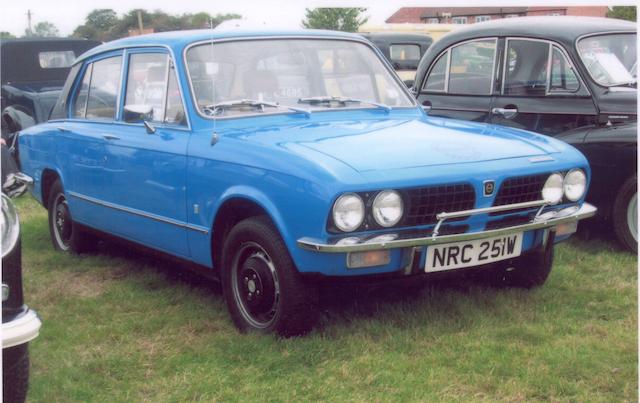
x=21 y=330
x=140 y=213
x=544 y=221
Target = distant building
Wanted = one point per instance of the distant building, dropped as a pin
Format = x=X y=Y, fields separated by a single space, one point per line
x=470 y=15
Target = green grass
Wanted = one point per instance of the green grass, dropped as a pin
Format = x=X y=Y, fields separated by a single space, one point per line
x=122 y=326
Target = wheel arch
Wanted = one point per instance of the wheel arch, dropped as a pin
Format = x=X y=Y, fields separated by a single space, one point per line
x=235 y=206
x=47 y=179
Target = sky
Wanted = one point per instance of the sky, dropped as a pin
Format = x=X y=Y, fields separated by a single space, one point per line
x=66 y=15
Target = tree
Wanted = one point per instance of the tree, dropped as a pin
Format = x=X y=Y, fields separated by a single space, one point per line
x=98 y=25
x=623 y=13
x=339 y=19
x=6 y=35
x=43 y=29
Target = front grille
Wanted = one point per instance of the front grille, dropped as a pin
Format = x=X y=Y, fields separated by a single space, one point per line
x=422 y=204
x=520 y=189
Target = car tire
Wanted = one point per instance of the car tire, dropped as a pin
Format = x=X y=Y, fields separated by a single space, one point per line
x=529 y=270
x=66 y=235
x=15 y=373
x=263 y=290
x=625 y=214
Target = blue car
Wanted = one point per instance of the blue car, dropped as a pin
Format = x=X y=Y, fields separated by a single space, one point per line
x=277 y=160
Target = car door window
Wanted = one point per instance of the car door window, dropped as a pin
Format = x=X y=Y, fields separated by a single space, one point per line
x=80 y=102
x=526 y=67
x=563 y=78
x=436 y=80
x=104 y=88
x=471 y=68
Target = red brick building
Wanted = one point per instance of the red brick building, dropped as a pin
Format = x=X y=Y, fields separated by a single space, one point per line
x=469 y=15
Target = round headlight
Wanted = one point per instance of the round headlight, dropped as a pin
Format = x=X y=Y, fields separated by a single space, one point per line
x=552 y=190
x=387 y=208
x=575 y=184
x=348 y=212
x=9 y=225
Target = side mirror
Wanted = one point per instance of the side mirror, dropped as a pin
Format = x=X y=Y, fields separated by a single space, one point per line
x=137 y=113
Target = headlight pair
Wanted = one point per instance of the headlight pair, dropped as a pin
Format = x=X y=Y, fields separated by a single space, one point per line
x=572 y=186
x=349 y=210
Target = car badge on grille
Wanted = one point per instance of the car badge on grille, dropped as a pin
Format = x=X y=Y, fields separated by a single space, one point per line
x=489 y=187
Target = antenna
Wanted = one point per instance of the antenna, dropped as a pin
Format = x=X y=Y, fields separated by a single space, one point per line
x=29 y=29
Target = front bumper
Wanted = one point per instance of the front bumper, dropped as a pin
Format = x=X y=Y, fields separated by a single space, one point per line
x=542 y=221
x=20 y=330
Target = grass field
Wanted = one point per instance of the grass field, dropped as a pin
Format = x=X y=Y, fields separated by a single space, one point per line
x=122 y=326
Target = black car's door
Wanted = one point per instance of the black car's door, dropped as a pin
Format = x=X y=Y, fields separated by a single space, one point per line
x=540 y=89
x=459 y=83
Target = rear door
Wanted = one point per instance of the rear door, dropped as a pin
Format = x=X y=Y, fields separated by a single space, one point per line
x=540 y=89
x=460 y=82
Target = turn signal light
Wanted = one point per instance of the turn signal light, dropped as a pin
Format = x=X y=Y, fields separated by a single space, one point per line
x=368 y=259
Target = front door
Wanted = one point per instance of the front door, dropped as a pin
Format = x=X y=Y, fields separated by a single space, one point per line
x=541 y=91
x=460 y=81
x=146 y=156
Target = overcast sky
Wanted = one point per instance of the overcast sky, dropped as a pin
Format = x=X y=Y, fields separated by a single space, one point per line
x=68 y=14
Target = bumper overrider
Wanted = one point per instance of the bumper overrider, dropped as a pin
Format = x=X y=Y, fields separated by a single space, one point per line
x=549 y=220
x=20 y=330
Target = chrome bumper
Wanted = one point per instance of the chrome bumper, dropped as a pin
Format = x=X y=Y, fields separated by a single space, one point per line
x=541 y=221
x=21 y=330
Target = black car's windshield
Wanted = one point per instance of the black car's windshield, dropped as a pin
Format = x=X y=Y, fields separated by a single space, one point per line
x=610 y=58
x=285 y=71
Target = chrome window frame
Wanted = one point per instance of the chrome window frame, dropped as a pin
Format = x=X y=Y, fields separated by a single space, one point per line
x=448 y=72
x=552 y=44
x=578 y=39
x=363 y=41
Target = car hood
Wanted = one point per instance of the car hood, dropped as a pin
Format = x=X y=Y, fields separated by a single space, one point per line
x=382 y=144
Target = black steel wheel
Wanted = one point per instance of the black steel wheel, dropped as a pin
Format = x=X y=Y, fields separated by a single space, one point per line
x=625 y=214
x=529 y=270
x=66 y=235
x=262 y=287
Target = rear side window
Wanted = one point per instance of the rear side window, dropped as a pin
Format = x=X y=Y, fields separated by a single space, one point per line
x=436 y=79
x=80 y=103
x=60 y=109
x=471 y=69
x=104 y=88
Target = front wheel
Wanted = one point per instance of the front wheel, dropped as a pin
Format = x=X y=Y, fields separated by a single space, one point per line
x=66 y=235
x=263 y=290
x=625 y=214
x=530 y=270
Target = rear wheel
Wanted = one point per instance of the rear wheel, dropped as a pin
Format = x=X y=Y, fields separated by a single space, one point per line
x=625 y=214
x=66 y=235
x=262 y=287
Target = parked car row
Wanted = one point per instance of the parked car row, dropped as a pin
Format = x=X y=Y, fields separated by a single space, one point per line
x=279 y=161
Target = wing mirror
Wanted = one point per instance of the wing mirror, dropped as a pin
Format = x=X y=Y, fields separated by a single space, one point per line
x=137 y=113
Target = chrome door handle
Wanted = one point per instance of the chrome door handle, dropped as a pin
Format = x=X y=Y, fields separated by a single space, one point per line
x=110 y=137
x=508 y=113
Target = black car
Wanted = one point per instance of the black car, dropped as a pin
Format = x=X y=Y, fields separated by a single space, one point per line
x=569 y=77
x=20 y=324
x=403 y=50
x=33 y=73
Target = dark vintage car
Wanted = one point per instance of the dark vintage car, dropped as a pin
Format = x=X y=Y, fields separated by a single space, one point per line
x=574 y=79
x=20 y=324
x=403 y=50
x=33 y=72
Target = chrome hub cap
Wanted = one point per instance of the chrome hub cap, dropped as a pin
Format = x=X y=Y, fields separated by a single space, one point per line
x=255 y=285
x=632 y=216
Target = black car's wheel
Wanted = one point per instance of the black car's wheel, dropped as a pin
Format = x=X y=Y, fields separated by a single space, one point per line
x=66 y=235
x=263 y=290
x=529 y=270
x=625 y=214
x=15 y=373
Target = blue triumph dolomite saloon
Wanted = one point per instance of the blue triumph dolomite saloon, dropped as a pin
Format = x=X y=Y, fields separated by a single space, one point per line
x=279 y=159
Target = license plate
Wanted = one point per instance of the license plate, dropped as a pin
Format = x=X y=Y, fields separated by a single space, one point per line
x=472 y=253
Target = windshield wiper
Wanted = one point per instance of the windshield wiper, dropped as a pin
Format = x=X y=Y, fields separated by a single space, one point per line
x=341 y=100
x=216 y=108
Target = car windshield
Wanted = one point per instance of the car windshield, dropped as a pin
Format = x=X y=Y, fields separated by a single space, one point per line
x=290 y=72
x=610 y=58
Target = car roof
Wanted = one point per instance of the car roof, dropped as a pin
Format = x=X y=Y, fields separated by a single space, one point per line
x=179 y=39
x=562 y=29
